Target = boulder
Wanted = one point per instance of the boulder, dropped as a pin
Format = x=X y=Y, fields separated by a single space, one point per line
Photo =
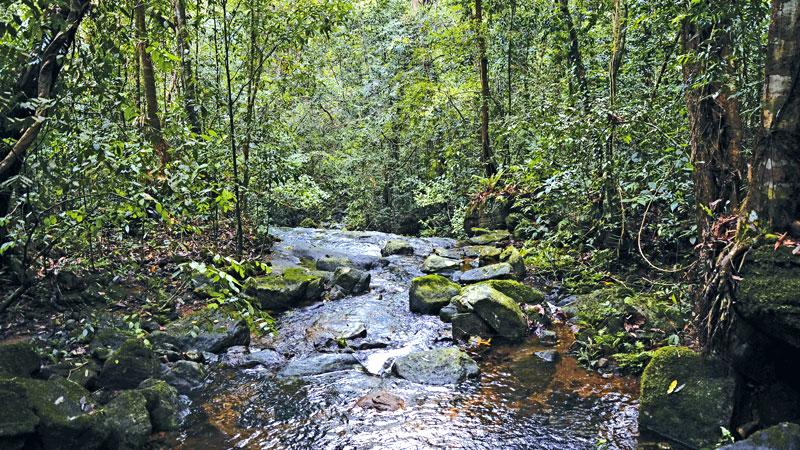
x=447 y=313
x=550 y=356
x=294 y=288
x=66 y=417
x=127 y=421
x=241 y=357
x=19 y=359
x=686 y=397
x=330 y=263
x=381 y=400
x=431 y=293
x=498 y=310
x=206 y=330
x=108 y=340
x=351 y=281
x=436 y=367
x=486 y=254
x=494 y=237
x=17 y=418
x=397 y=247
x=185 y=376
x=319 y=364
x=163 y=404
x=128 y=367
x=439 y=264
x=466 y=325
x=521 y=293
x=769 y=293
x=451 y=253
x=784 y=436
x=501 y=271
x=512 y=256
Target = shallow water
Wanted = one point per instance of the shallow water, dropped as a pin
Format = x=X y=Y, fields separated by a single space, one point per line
x=519 y=401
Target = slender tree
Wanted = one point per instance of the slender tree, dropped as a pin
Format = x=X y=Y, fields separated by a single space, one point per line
x=187 y=72
x=152 y=123
x=487 y=158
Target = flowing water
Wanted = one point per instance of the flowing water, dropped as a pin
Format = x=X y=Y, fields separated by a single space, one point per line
x=519 y=401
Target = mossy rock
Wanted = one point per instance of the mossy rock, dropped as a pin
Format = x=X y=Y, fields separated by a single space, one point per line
x=784 y=436
x=295 y=287
x=486 y=254
x=107 y=340
x=17 y=419
x=498 y=310
x=686 y=397
x=19 y=359
x=769 y=293
x=468 y=324
x=126 y=368
x=512 y=256
x=519 y=292
x=308 y=222
x=397 y=247
x=436 y=367
x=440 y=264
x=494 y=237
x=163 y=404
x=314 y=282
x=499 y=271
x=351 y=281
x=430 y=293
x=331 y=263
x=127 y=421
x=66 y=419
x=211 y=330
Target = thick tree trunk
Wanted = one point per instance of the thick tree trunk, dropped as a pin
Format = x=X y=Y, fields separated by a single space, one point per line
x=574 y=53
x=151 y=120
x=187 y=74
x=775 y=174
x=487 y=159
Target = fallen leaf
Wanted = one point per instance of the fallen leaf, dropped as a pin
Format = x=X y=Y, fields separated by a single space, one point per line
x=672 y=386
x=679 y=388
x=59 y=400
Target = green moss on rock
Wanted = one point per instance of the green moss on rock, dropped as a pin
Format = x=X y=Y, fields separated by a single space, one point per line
x=127 y=421
x=163 y=404
x=430 y=293
x=19 y=359
x=207 y=330
x=128 y=366
x=498 y=310
x=699 y=404
x=518 y=291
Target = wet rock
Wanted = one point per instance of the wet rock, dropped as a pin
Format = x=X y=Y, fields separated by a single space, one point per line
x=352 y=281
x=19 y=359
x=381 y=400
x=319 y=364
x=436 y=367
x=431 y=293
x=498 y=310
x=451 y=253
x=397 y=247
x=185 y=376
x=784 y=436
x=295 y=287
x=163 y=404
x=128 y=366
x=84 y=373
x=550 y=356
x=512 y=256
x=330 y=264
x=491 y=272
x=768 y=297
x=17 y=419
x=547 y=337
x=447 y=313
x=486 y=254
x=700 y=403
x=207 y=330
x=66 y=417
x=491 y=238
x=241 y=357
x=466 y=325
x=439 y=264
x=518 y=291
x=127 y=421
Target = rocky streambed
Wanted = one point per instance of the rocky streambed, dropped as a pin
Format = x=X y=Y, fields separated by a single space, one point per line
x=380 y=342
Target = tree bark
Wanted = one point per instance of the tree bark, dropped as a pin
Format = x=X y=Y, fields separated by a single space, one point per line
x=151 y=120
x=775 y=174
x=487 y=159
x=574 y=53
x=187 y=74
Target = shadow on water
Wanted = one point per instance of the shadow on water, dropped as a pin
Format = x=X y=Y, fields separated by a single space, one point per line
x=520 y=401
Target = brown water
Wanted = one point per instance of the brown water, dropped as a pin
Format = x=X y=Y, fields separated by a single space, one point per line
x=519 y=401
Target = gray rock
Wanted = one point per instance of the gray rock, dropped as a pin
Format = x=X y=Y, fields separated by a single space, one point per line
x=330 y=264
x=439 y=264
x=319 y=364
x=127 y=421
x=128 y=367
x=437 y=367
x=784 y=436
x=486 y=254
x=397 y=247
x=352 y=281
x=241 y=357
x=548 y=337
x=500 y=271
x=550 y=356
x=451 y=253
x=185 y=376
x=447 y=313
x=431 y=293
x=163 y=404
x=207 y=330
x=498 y=310
x=470 y=324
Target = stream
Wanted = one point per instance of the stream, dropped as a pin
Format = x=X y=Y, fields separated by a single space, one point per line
x=519 y=401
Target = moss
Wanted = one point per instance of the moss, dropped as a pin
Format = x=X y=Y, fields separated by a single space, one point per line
x=430 y=293
x=128 y=366
x=701 y=402
x=162 y=404
x=516 y=290
x=498 y=310
x=491 y=237
x=19 y=359
x=308 y=222
x=16 y=415
x=127 y=421
x=769 y=293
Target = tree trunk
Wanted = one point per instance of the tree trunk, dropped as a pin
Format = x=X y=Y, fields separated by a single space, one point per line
x=775 y=175
x=151 y=121
x=574 y=53
x=487 y=159
x=187 y=74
